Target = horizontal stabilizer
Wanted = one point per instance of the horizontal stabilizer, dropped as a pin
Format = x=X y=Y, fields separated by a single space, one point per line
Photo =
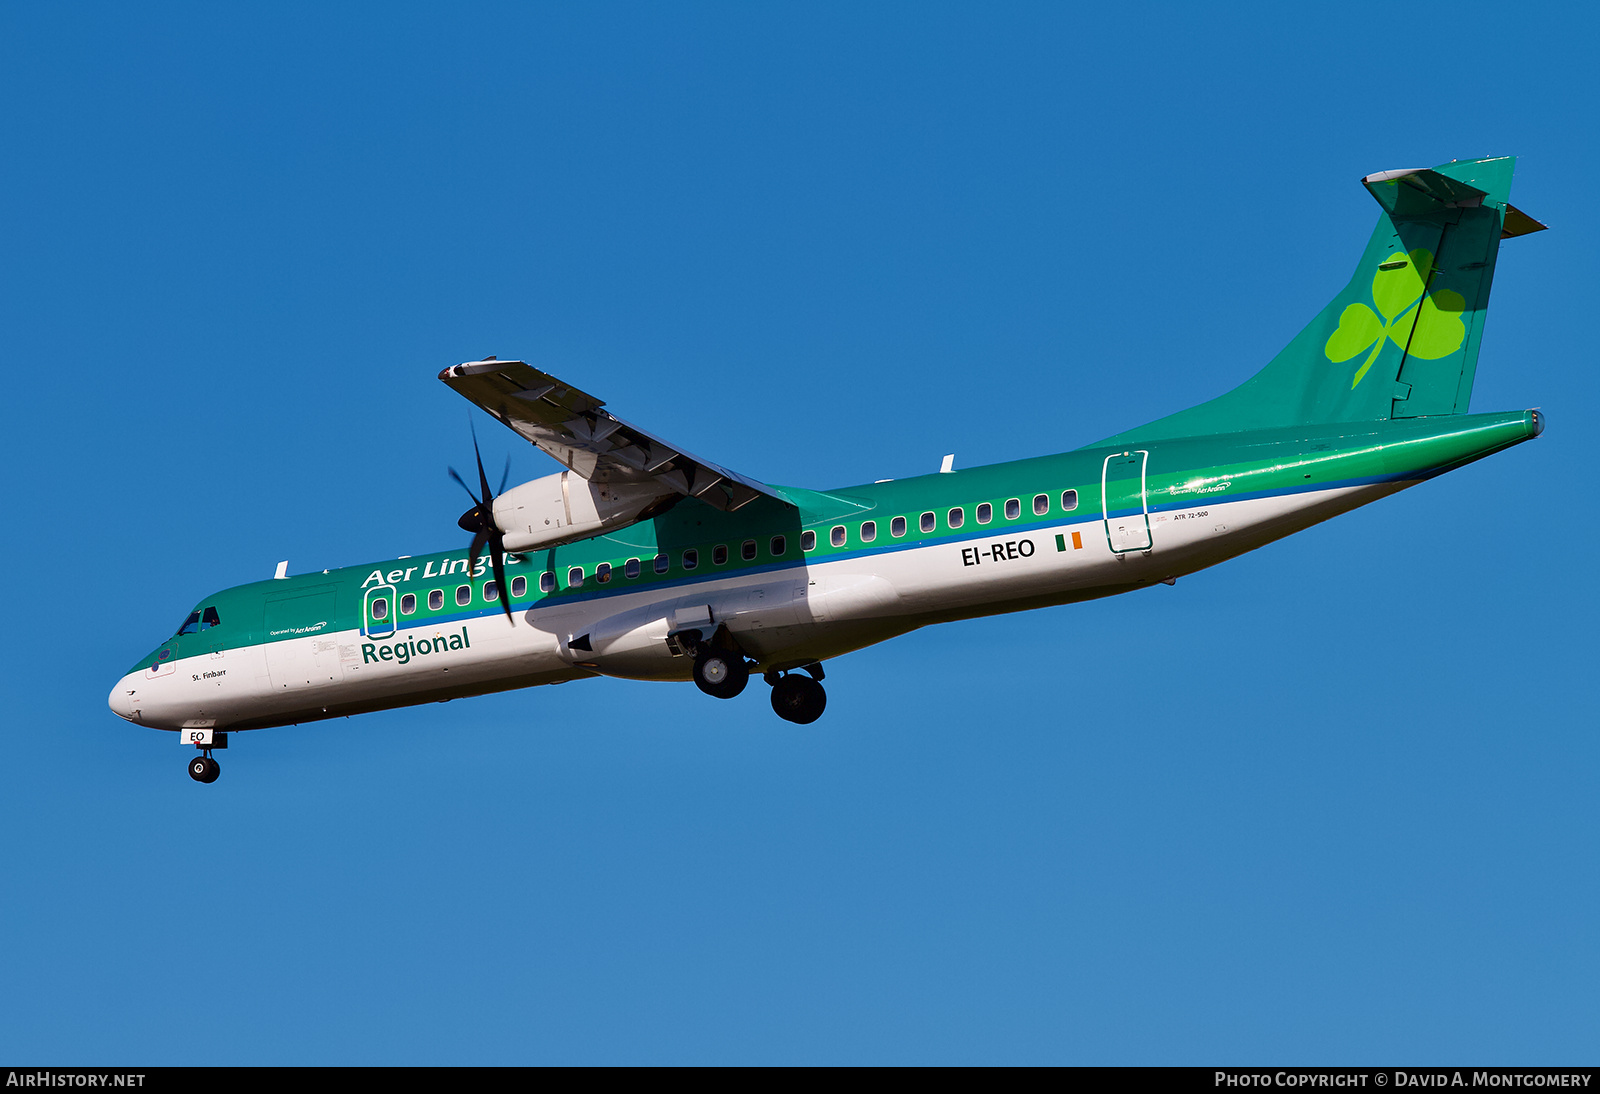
x=1420 y=192
x=1518 y=223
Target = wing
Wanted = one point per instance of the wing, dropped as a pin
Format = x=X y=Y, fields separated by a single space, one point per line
x=574 y=427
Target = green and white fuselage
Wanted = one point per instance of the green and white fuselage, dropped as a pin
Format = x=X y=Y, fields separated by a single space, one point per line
x=309 y=647
x=1368 y=401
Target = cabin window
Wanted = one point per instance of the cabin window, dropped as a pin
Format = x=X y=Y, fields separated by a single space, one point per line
x=408 y=604
x=691 y=559
x=956 y=517
x=463 y=595
x=1041 y=504
x=719 y=555
x=897 y=527
x=380 y=608
x=547 y=582
x=836 y=537
x=631 y=568
x=747 y=550
x=808 y=541
x=1069 y=500
x=602 y=572
x=190 y=625
x=869 y=531
x=575 y=577
x=1013 y=508
x=662 y=562
x=778 y=545
x=209 y=619
x=491 y=591
x=436 y=600
x=519 y=586
x=985 y=513
x=929 y=522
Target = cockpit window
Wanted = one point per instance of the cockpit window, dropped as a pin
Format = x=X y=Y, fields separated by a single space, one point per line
x=202 y=620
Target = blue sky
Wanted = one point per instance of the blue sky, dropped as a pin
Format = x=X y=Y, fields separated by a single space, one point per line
x=1331 y=802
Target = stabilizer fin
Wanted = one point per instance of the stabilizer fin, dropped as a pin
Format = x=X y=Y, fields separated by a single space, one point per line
x=1401 y=340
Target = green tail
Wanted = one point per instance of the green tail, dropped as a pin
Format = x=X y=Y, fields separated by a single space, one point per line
x=1401 y=340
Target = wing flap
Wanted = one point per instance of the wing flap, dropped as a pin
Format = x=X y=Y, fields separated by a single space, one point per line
x=575 y=429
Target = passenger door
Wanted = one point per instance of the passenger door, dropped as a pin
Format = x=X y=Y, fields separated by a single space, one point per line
x=1124 y=503
x=302 y=638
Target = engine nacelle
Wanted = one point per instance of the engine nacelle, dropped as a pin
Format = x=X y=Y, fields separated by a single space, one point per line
x=565 y=507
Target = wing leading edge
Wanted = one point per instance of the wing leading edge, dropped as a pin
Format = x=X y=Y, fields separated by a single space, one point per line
x=575 y=428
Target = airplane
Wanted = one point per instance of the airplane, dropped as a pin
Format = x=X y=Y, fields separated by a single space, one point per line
x=642 y=561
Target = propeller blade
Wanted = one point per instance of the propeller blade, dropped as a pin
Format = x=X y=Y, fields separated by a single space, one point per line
x=464 y=486
x=497 y=557
x=483 y=480
x=479 y=520
x=477 y=549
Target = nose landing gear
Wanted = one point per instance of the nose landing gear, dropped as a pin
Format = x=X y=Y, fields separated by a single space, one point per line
x=203 y=769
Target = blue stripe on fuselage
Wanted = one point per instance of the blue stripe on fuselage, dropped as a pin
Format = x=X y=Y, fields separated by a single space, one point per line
x=988 y=531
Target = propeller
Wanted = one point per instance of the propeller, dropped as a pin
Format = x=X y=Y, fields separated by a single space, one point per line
x=479 y=520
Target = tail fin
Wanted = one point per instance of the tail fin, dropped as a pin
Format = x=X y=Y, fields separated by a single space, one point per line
x=1401 y=339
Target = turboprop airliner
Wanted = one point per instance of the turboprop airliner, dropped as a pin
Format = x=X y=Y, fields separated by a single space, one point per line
x=639 y=560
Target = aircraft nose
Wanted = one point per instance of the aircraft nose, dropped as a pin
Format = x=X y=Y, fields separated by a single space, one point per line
x=124 y=699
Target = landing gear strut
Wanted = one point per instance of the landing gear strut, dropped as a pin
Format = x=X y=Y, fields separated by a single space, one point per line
x=203 y=769
x=799 y=699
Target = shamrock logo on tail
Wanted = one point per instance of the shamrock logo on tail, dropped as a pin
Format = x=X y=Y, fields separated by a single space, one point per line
x=1398 y=292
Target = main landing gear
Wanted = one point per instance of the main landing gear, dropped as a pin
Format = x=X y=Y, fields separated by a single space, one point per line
x=723 y=673
x=720 y=673
x=797 y=698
